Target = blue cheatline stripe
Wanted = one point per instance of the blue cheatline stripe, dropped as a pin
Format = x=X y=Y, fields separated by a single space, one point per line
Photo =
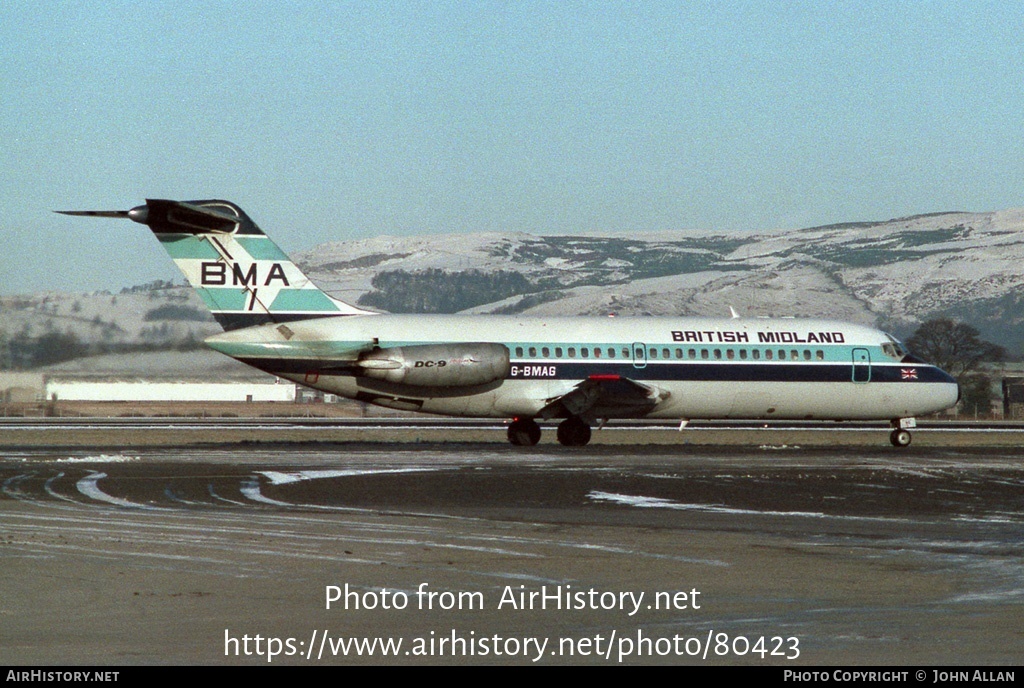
x=237 y=321
x=681 y=372
x=725 y=372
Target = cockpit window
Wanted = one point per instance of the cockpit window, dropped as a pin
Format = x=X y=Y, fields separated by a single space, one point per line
x=893 y=348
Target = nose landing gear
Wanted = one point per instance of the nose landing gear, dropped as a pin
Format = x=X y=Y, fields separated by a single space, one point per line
x=900 y=435
x=900 y=438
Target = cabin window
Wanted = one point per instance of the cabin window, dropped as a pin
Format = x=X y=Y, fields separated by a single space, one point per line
x=625 y=352
x=743 y=354
x=572 y=352
x=597 y=352
x=558 y=352
x=519 y=351
x=679 y=353
x=730 y=354
x=768 y=354
x=782 y=354
x=692 y=353
x=704 y=354
x=584 y=352
x=653 y=353
x=756 y=354
x=718 y=354
x=545 y=352
x=611 y=352
x=807 y=354
x=533 y=352
x=820 y=355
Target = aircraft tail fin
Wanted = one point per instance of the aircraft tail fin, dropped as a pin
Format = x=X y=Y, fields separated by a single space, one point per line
x=241 y=275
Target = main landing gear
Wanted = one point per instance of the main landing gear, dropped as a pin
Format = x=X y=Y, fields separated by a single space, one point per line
x=524 y=432
x=572 y=432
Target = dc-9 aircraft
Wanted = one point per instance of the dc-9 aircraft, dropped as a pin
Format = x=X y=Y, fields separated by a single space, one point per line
x=581 y=369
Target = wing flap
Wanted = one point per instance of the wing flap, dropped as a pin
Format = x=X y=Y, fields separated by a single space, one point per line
x=602 y=396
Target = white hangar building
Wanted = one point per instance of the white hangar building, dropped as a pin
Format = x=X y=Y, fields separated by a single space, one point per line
x=199 y=375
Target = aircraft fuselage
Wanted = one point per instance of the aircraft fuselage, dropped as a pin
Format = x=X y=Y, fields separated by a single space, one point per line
x=782 y=368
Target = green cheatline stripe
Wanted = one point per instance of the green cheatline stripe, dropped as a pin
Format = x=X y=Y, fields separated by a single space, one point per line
x=224 y=299
x=185 y=246
x=287 y=301
x=303 y=300
x=262 y=248
x=334 y=350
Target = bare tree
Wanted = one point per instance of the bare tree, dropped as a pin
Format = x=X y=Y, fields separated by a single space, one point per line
x=953 y=346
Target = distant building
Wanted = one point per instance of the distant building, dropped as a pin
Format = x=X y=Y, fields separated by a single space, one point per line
x=308 y=395
x=21 y=388
x=1013 y=398
x=192 y=376
x=91 y=388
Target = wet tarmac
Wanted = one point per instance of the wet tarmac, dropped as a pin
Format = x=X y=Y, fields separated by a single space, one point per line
x=484 y=553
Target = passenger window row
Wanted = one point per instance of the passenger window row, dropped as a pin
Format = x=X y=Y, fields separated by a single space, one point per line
x=654 y=353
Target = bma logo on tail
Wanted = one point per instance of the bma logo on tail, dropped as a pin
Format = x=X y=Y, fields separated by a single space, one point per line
x=215 y=274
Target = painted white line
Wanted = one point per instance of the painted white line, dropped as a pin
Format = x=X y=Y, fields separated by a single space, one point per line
x=89 y=486
x=279 y=478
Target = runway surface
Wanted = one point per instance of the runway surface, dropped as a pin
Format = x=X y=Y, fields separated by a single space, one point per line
x=762 y=555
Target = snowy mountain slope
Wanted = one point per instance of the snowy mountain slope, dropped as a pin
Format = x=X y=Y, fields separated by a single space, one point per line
x=893 y=274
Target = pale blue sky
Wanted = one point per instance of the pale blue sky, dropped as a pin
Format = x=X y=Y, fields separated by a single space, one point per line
x=344 y=120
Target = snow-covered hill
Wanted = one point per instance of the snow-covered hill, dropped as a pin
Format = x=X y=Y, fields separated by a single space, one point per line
x=893 y=274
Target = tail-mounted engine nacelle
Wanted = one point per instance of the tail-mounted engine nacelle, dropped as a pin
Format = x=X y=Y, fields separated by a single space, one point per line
x=438 y=365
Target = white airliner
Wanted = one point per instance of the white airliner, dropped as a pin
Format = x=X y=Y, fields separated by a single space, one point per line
x=584 y=370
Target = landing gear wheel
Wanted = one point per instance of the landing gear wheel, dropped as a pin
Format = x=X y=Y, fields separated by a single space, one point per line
x=524 y=432
x=900 y=438
x=573 y=432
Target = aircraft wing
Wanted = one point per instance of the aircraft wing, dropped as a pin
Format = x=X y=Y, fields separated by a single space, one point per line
x=602 y=396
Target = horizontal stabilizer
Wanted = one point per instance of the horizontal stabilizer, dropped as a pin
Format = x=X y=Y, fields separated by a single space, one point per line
x=95 y=213
x=180 y=217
